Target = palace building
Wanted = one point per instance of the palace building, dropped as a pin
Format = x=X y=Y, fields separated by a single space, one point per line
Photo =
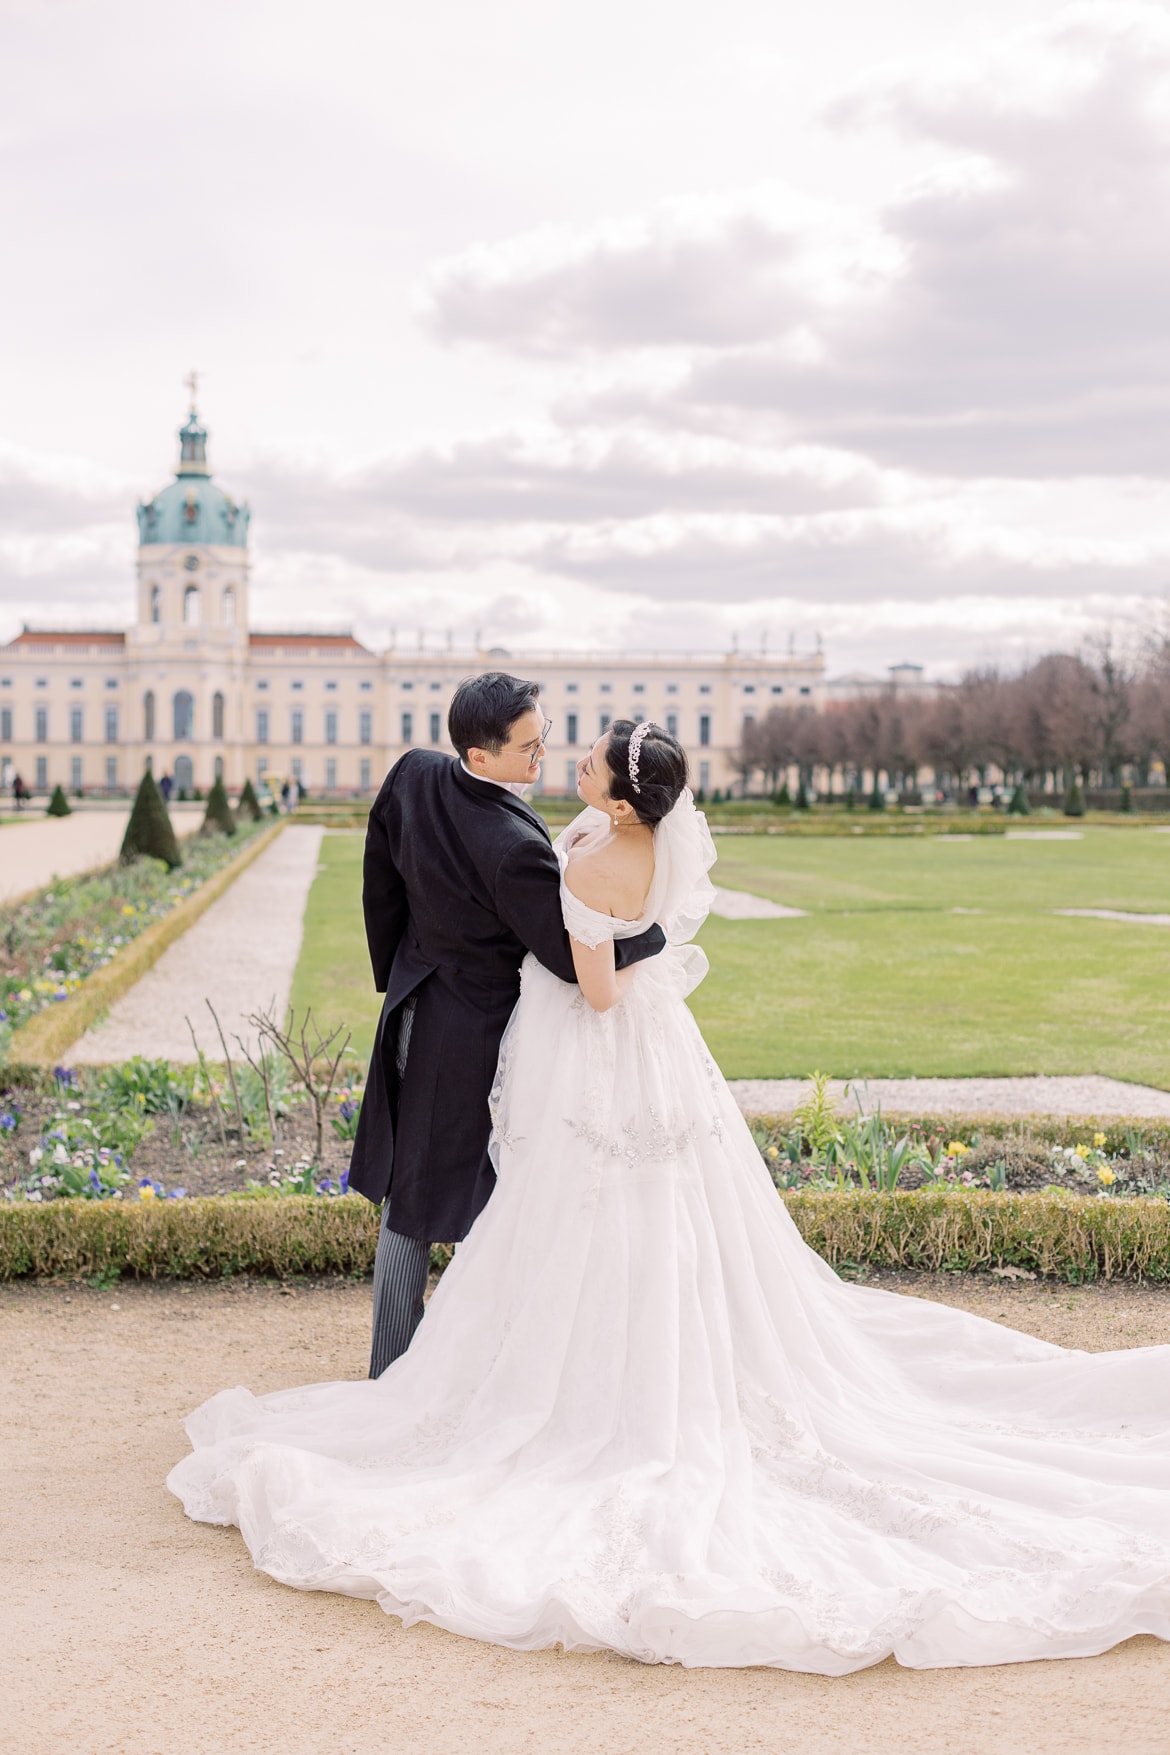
x=191 y=689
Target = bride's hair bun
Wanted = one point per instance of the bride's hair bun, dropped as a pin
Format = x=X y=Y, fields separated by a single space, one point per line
x=662 y=770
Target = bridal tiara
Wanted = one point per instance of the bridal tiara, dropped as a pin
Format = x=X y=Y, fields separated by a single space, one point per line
x=636 y=737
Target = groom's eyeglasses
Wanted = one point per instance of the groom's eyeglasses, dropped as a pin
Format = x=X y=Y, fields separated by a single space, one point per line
x=530 y=749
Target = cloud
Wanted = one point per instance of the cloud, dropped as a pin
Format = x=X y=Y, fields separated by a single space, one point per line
x=1005 y=314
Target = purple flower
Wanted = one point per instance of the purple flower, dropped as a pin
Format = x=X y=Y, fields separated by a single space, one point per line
x=65 y=1077
x=177 y=1194
x=7 y=1121
x=343 y=1185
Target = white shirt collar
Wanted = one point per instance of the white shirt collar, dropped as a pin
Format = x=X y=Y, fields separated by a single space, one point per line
x=516 y=787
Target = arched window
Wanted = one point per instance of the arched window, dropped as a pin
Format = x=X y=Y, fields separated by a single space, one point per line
x=229 y=605
x=184 y=716
x=148 y=713
x=184 y=776
x=192 y=606
x=155 y=610
x=217 y=716
x=219 y=767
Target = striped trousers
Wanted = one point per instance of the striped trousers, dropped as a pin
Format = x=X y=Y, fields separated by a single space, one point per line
x=401 y=1264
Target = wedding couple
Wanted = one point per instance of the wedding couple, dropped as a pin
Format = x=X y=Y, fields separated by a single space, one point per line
x=640 y=1414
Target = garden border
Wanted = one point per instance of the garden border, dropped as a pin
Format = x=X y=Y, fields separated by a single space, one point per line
x=47 y=1035
x=1068 y=1237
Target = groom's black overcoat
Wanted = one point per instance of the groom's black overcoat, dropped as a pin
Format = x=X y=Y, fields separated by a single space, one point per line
x=460 y=881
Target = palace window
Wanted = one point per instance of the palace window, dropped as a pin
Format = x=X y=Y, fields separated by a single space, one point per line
x=298 y=726
x=42 y=773
x=155 y=604
x=571 y=729
x=42 y=725
x=192 y=606
x=76 y=724
x=365 y=726
x=229 y=605
x=672 y=724
x=6 y=724
x=217 y=716
x=603 y=724
x=704 y=728
x=331 y=775
x=364 y=775
x=148 y=716
x=262 y=725
x=331 y=727
x=184 y=716
x=436 y=727
x=111 y=725
x=407 y=727
x=75 y=774
x=111 y=773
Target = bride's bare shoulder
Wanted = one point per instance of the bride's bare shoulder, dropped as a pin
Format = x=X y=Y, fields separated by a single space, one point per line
x=611 y=878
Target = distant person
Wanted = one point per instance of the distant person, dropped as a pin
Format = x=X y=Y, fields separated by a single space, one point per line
x=286 y=797
x=19 y=791
x=166 y=786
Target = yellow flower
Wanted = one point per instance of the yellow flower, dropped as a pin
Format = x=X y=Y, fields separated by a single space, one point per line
x=24 y=995
x=773 y=1151
x=957 y=1149
x=128 y=908
x=146 y=1193
x=1106 y=1177
x=1082 y=1152
x=1098 y=1140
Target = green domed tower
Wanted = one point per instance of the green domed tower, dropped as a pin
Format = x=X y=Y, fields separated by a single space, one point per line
x=189 y=646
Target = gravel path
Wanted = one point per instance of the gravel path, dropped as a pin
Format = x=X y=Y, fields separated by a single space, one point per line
x=240 y=955
x=742 y=905
x=1088 y=1095
x=39 y=849
x=129 y=1629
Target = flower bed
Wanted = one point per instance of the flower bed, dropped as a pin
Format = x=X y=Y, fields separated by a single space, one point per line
x=52 y=942
x=1063 y=1236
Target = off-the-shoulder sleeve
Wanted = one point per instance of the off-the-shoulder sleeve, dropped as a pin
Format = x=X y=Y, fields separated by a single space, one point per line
x=584 y=924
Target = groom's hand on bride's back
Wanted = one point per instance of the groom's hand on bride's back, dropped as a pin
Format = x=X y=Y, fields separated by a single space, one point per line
x=627 y=951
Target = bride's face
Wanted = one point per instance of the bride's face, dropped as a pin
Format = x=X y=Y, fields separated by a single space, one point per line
x=593 y=776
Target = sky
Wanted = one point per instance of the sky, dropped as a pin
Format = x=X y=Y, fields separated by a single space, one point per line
x=620 y=324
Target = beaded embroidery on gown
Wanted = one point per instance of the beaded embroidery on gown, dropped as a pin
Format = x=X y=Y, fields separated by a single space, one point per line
x=640 y=1414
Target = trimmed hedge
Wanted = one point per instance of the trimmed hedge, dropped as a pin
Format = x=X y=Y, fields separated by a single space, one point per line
x=1062 y=1236
x=47 y=1035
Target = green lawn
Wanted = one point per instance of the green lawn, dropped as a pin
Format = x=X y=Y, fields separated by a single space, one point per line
x=884 y=977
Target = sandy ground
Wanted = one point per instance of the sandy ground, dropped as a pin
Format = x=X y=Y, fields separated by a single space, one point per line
x=742 y=905
x=240 y=954
x=125 y=1628
x=1088 y=1095
x=38 y=849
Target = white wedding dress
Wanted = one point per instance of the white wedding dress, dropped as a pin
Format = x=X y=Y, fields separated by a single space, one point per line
x=641 y=1414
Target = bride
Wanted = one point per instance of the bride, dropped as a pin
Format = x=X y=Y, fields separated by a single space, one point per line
x=641 y=1415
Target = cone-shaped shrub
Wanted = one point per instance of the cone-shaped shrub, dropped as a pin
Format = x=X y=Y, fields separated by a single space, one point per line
x=1074 y=804
x=783 y=797
x=58 y=805
x=149 y=832
x=249 y=805
x=1018 y=805
x=218 y=818
x=877 y=798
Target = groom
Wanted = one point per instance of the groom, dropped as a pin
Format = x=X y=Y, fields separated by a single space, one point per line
x=460 y=881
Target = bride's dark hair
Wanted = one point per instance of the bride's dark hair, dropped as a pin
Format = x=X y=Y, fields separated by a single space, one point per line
x=662 y=770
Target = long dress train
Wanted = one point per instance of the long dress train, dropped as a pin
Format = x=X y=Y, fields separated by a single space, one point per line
x=641 y=1414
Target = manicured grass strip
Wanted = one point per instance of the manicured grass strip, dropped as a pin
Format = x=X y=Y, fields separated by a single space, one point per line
x=1066 y=1237
x=46 y=1036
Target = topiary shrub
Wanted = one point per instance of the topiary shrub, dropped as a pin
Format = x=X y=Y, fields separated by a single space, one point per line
x=218 y=818
x=783 y=797
x=58 y=805
x=249 y=805
x=877 y=798
x=149 y=833
x=1074 y=803
x=1018 y=805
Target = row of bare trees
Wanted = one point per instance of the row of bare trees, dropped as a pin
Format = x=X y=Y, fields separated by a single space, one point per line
x=1097 y=718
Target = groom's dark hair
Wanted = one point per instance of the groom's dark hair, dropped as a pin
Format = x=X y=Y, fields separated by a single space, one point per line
x=485 y=708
